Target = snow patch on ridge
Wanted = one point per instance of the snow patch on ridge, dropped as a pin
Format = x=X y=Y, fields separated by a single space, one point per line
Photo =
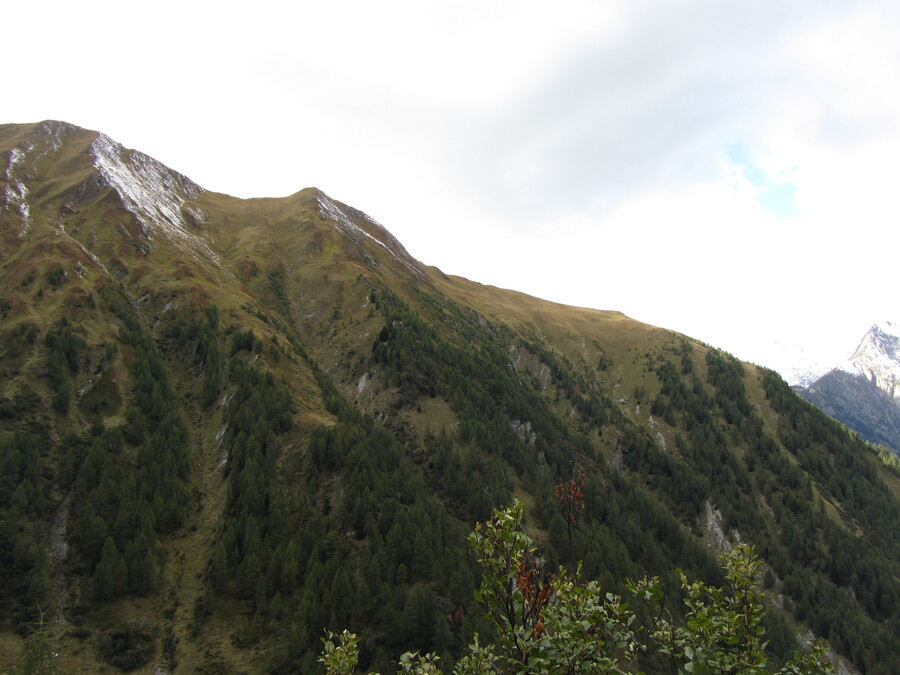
x=15 y=157
x=328 y=209
x=152 y=192
x=15 y=194
x=331 y=210
x=55 y=130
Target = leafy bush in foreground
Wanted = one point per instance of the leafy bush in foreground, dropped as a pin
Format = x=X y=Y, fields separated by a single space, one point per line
x=567 y=625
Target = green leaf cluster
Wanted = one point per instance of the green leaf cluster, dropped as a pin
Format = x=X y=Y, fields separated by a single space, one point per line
x=577 y=628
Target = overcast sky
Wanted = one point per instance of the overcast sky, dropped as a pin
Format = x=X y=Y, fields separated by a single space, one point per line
x=725 y=169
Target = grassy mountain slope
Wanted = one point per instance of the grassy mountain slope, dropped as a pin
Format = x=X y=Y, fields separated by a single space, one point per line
x=226 y=425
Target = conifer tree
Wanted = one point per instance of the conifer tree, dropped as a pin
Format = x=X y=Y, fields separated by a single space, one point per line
x=111 y=574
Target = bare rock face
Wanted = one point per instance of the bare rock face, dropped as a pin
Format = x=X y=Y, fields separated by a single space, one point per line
x=858 y=403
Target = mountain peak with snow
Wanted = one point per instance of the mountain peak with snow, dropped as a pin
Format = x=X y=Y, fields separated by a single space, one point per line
x=877 y=358
x=864 y=391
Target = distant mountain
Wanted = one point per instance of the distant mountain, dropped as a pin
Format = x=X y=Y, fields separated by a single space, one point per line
x=864 y=392
x=227 y=425
x=793 y=362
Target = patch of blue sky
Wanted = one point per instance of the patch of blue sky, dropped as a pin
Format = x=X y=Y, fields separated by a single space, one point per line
x=779 y=199
x=776 y=197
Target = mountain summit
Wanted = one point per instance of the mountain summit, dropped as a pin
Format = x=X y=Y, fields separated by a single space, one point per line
x=227 y=425
x=878 y=358
x=863 y=392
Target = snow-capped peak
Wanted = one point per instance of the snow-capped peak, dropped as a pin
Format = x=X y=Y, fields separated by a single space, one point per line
x=877 y=357
x=152 y=192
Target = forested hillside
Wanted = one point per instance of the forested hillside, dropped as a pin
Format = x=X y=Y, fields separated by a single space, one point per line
x=227 y=426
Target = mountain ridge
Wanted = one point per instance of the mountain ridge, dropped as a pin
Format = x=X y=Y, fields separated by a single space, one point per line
x=242 y=441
